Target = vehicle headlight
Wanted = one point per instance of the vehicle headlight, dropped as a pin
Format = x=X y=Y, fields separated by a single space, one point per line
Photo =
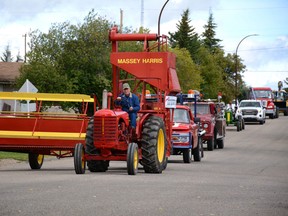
x=205 y=125
x=181 y=138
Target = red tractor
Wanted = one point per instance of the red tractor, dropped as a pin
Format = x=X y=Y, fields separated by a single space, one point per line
x=109 y=136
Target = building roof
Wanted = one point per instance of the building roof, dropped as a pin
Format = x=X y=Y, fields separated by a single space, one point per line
x=9 y=71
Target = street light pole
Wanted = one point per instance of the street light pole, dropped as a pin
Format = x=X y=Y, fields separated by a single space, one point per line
x=236 y=66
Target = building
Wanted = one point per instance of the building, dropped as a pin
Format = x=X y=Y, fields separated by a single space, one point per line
x=8 y=73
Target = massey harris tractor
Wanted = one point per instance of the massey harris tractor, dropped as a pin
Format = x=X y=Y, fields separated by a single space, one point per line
x=109 y=136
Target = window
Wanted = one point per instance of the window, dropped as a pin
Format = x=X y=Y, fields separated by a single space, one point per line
x=181 y=116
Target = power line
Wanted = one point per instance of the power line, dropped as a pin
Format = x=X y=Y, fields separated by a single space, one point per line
x=259 y=49
x=267 y=71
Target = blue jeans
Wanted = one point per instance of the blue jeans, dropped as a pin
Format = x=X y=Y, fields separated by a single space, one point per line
x=132 y=117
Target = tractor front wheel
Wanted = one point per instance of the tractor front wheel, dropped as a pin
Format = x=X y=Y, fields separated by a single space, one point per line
x=132 y=159
x=79 y=160
x=35 y=160
x=154 y=145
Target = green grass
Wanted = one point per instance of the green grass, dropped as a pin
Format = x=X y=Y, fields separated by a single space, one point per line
x=14 y=155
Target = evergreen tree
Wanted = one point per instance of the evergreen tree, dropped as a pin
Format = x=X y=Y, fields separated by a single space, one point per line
x=7 y=55
x=209 y=40
x=185 y=36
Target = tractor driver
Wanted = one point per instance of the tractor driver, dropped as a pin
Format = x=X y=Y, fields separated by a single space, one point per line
x=129 y=103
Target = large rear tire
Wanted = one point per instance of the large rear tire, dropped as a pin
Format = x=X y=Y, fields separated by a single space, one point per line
x=132 y=159
x=154 y=145
x=79 y=160
x=165 y=163
x=93 y=165
x=35 y=160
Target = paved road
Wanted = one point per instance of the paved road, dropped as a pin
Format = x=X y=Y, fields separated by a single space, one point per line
x=248 y=177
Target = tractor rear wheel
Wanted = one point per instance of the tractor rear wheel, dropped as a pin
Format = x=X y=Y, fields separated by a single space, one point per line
x=35 y=160
x=79 y=161
x=154 y=145
x=93 y=165
x=165 y=163
x=132 y=159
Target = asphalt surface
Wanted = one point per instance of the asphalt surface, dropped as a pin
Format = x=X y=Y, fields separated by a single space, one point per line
x=248 y=177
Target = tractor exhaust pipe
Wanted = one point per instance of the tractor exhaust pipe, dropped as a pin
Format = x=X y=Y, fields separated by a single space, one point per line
x=104 y=99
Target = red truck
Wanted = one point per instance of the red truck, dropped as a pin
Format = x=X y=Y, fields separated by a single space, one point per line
x=212 y=119
x=212 y=122
x=185 y=137
x=265 y=94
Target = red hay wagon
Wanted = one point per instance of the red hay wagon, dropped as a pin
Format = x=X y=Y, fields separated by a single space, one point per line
x=40 y=133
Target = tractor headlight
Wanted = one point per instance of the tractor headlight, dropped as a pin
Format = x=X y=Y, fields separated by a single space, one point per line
x=205 y=125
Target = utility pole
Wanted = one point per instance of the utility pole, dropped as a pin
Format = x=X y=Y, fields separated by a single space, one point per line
x=121 y=20
x=25 y=36
x=142 y=14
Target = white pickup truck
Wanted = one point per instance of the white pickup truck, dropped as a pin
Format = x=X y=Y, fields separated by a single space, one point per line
x=252 y=111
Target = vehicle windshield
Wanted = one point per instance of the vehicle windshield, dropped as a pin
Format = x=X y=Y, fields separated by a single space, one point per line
x=263 y=93
x=200 y=109
x=250 y=104
x=181 y=116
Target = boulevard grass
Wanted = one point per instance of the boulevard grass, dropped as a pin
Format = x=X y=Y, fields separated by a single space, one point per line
x=14 y=155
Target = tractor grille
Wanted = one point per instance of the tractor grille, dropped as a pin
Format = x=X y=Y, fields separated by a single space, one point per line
x=250 y=112
x=105 y=129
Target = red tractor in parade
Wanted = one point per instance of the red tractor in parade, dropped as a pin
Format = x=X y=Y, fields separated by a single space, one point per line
x=109 y=136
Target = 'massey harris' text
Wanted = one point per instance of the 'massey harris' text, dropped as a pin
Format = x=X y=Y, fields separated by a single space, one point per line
x=140 y=61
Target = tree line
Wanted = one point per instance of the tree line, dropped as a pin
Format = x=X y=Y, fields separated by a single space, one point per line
x=76 y=58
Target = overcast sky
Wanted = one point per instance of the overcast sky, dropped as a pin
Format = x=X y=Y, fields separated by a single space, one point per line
x=265 y=55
